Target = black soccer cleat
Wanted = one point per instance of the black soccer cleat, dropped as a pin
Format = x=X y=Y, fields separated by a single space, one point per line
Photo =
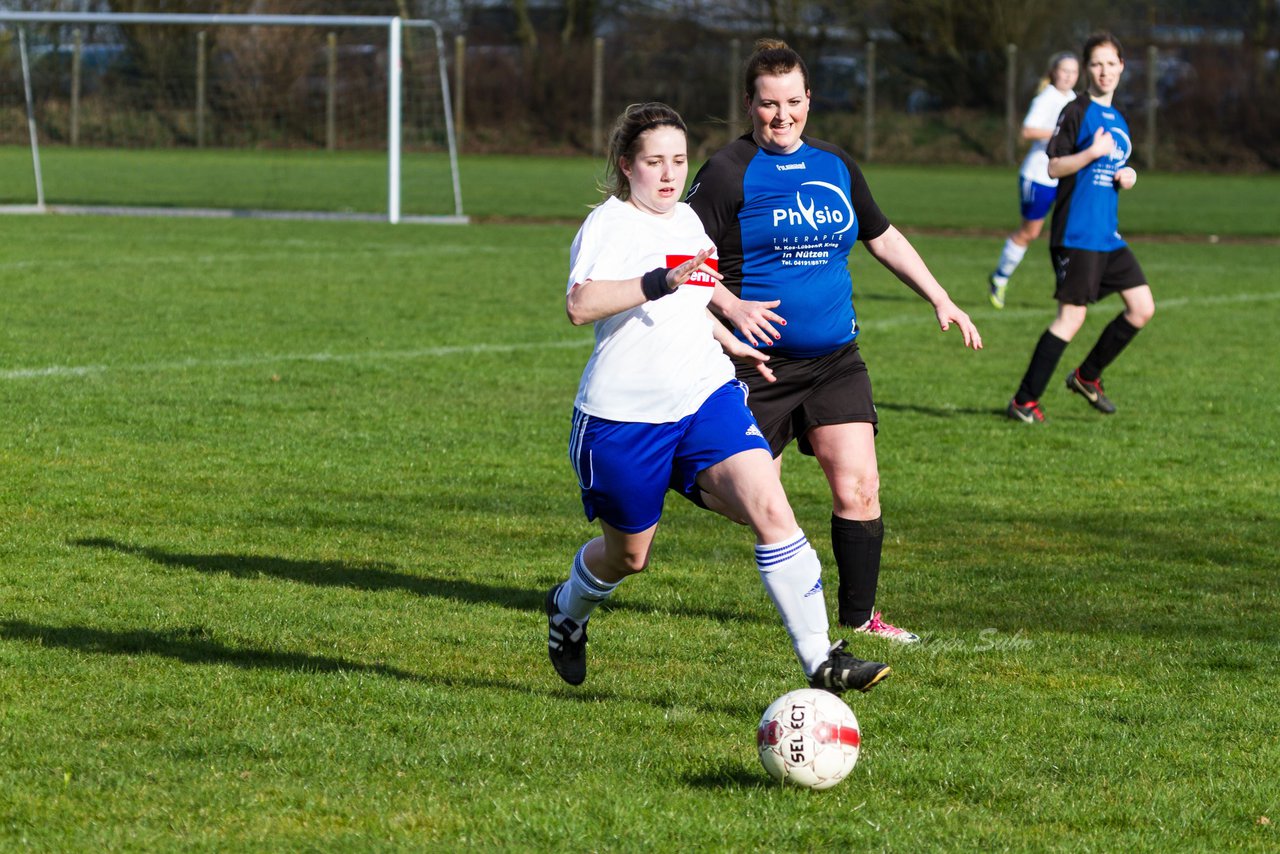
x=1090 y=390
x=842 y=672
x=566 y=642
x=1028 y=413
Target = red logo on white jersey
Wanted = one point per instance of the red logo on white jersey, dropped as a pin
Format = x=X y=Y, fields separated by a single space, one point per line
x=699 y=277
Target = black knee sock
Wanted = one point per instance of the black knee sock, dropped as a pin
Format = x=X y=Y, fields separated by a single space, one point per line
x=1044 y=360
x=1111 y=343
x=857 y=548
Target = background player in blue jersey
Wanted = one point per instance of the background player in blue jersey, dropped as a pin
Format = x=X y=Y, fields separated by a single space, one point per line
x=785 y=211
x=1088 y=153
x=1036 y=190
x=659 y=408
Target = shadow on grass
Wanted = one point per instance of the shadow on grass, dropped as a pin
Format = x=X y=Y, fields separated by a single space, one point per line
x=376 y=576
x=195 y=645
x=731 y=778
x=371 y=577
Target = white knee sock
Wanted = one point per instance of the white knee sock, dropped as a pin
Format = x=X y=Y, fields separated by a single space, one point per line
x=1010 y=258
x=583 y=592
x=793 y=576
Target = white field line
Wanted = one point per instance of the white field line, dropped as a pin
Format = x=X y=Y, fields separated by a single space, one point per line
x=1047 y=312
x=288 y=253
x=258 y=361
x=373 y=356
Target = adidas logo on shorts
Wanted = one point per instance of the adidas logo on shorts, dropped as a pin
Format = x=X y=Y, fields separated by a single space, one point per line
x=753 y=430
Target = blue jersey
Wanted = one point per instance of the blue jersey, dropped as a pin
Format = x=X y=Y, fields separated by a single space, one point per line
x=784 y=225
x=1086 y=212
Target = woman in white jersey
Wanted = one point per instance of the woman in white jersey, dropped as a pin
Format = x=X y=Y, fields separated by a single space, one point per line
x=1035 y=187
x=659 y=408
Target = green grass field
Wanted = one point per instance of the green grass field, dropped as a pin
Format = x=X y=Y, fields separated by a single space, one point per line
x=505 y=188
x=280 y=502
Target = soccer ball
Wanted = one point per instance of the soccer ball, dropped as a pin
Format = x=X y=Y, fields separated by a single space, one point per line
x=808 y=738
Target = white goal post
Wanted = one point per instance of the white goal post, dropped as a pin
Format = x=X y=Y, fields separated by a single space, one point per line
x=389 y=62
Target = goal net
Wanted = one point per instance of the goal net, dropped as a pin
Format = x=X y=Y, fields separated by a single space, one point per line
x=226 y=115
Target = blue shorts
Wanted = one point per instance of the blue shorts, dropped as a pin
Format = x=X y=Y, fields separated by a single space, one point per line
x=1037 y=199
x=625 y=468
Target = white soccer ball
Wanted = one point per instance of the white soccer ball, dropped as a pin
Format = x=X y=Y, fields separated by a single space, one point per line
x=808 y=738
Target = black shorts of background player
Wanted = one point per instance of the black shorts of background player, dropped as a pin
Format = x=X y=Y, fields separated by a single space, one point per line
x=808 y=393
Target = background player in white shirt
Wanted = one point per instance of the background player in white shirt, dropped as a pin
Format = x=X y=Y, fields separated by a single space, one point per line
x=1036 y=188
x=659 y=407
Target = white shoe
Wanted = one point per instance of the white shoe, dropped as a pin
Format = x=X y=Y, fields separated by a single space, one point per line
x=881 y=629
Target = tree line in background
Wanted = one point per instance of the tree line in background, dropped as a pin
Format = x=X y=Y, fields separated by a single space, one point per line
x=940 y=71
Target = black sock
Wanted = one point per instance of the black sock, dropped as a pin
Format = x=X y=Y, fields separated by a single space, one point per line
x=1044 y=360
x=857 y=548
x=1111 y=343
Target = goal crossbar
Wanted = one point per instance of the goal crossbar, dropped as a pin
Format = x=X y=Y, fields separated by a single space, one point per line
x=394 y=26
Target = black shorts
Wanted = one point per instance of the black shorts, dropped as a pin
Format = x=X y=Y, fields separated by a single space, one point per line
x=830 y=389
x=1085 y=276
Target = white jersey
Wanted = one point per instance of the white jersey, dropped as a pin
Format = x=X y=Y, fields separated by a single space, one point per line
x=658 y=362
x=1043 y=115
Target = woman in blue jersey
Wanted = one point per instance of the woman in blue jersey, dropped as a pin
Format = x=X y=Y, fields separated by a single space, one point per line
x=658 y=407
x=1036 y=188
x=1088 y=154
x=785 y=212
